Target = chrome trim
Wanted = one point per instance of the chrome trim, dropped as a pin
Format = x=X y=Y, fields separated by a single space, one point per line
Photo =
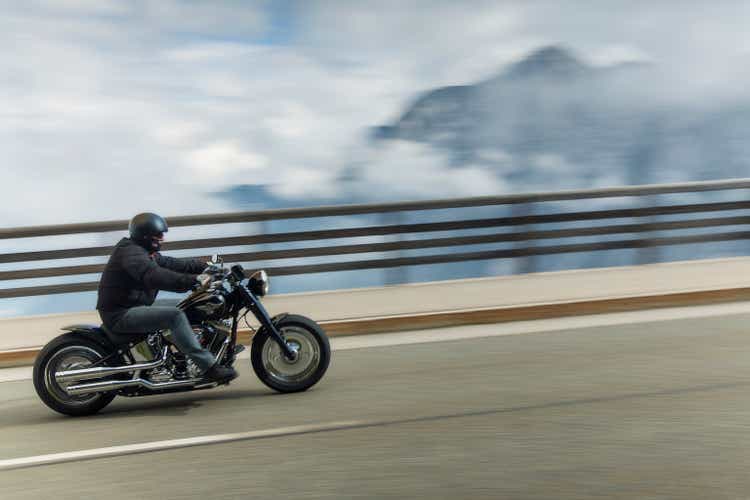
x=222 y=349
x=266 y=282
x=111 y=385
x=105 y=371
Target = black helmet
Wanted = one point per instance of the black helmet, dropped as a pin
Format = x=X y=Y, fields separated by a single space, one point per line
x=144 y=228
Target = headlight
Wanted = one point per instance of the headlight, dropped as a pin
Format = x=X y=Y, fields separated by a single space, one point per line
x=259 y=283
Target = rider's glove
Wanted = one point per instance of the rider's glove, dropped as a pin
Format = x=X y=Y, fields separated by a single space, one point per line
x=211 y=269
x=204 y=280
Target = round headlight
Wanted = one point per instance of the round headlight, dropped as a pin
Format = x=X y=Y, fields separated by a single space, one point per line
x=259 y=283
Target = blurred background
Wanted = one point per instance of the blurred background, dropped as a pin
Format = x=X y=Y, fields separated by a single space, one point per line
x=621 y=382
x=112 y=108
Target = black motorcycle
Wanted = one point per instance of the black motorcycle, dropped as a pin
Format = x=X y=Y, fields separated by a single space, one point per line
x=81 y=371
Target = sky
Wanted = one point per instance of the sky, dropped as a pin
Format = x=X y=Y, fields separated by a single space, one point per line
x=109 y=108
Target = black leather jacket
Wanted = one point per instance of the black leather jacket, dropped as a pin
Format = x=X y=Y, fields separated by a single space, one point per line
x=133 y=277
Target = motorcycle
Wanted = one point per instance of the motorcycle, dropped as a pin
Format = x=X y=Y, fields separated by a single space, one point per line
x=80 y=372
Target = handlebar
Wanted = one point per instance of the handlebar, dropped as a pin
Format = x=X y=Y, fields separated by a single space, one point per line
x=218 y=273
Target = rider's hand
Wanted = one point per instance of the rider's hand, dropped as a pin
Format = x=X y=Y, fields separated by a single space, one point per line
x=204 y=280
x=211 y=269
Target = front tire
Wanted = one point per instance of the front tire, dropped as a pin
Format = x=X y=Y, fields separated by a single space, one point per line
x=68 y=352
x=313 y=355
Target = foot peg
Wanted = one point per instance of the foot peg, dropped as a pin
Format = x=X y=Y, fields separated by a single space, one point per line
x=238 y=349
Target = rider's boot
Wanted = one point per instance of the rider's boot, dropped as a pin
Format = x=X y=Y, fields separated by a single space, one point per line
x=219 y=373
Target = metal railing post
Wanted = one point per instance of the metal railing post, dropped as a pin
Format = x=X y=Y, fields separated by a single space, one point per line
x=525 y=264
x=394 y=275
x=648 y=254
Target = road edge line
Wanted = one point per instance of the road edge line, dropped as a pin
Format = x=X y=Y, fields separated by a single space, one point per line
x=501 y=314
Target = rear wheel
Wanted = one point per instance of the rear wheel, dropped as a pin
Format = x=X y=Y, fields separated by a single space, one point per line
x=313 y=354
x=68 y=353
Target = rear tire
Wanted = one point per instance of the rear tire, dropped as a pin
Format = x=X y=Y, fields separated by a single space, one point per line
x=314 y=355
x=64 y=353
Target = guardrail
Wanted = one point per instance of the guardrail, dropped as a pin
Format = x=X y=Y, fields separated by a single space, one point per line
x=515 y=228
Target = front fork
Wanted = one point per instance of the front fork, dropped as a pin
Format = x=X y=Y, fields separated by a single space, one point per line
x=252 y=303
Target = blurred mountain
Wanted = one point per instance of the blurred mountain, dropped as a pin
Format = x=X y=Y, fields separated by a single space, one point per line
x=551 y=121
x=539 y=105
x=548 y=62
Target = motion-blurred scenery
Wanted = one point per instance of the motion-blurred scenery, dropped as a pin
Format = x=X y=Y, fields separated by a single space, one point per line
x=112 y=108
x=520 y=137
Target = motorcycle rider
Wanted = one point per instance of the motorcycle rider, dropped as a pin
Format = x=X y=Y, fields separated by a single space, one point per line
x=132 y=278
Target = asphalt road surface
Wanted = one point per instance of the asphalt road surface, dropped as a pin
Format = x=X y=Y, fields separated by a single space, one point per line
x=647 y=411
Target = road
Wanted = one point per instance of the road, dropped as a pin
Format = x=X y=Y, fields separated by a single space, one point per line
x=645 y=410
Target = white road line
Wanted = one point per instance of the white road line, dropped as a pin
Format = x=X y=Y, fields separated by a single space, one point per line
x=381 y=340
x=129 y=449
x=496 y=330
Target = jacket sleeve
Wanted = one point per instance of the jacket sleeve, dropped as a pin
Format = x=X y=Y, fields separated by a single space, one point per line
x=145 y=270
x=193 y=266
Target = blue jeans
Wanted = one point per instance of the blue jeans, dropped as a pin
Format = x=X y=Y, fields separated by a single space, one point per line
x=143 y=319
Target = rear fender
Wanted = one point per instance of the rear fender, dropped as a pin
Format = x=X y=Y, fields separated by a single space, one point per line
x=80 y=328
x=90 y=332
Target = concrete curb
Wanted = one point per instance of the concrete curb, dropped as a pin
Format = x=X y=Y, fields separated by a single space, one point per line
x=405 y=322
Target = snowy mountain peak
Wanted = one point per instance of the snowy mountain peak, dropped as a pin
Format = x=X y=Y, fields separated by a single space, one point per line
x=551 y=61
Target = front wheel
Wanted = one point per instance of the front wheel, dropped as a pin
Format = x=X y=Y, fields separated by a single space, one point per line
x=313 y=354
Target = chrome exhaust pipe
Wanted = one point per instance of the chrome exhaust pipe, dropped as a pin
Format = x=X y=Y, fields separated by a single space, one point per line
x=111 y=385
x=105 y=371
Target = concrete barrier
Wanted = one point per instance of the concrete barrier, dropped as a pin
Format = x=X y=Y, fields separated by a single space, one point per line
x=472 y=301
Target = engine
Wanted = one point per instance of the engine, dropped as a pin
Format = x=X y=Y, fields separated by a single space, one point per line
x=210 y=335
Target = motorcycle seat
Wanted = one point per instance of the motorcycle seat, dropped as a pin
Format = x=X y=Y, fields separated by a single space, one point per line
x=117 y=339
x=120 y=339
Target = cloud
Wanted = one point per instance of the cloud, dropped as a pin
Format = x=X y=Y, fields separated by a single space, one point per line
x=223 y=18
x=222 y=160
x=78 y=7
x=618 y=53
x=208 y=52
x=109 y=107
x=408 y=170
